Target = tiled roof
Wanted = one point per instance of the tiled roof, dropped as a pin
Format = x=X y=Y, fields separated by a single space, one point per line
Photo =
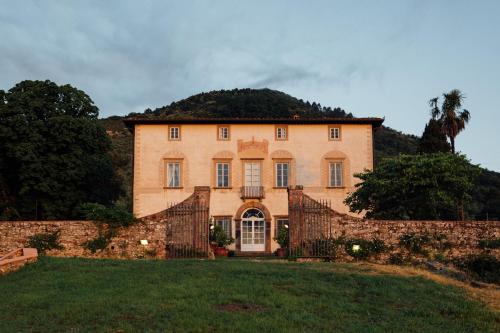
x=376 y=122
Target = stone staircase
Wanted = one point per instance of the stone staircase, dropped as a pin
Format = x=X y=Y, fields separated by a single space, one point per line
x=16 y=259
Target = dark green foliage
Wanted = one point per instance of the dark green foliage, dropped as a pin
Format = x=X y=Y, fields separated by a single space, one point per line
x=109 y=219
x=99 y=243
x=45 y=241
x=484 y=267
x=283 y=237
x=493 y=243
x=415 y=244
x=219 y=236
x=246 y=103
x=396 y=259
x=414 y=187
x=53 y=152
x=433 y=139
x=113 y=217
x=362 y=249
x=389 y=143
x=486 y=195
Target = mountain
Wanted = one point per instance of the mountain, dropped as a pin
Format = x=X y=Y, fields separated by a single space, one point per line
x=267 y=103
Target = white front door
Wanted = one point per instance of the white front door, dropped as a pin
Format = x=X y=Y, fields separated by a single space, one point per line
x=253 y=235
x=252 y=174
x=253 y=231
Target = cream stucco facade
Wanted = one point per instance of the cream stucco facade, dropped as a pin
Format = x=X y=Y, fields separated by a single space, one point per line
x=307 y=149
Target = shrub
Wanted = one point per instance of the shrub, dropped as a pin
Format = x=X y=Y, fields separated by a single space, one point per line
x=219 y=236
x=493 y=243
x=114 y=217
x=484 y=267
x=415 y=243
x=99 y=243
x=45 y=241
x=361 y=249
x=282 y=237
x=323 y=247
x=396 y=259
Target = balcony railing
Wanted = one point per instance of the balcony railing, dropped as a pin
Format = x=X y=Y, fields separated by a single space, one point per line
x=252 y=192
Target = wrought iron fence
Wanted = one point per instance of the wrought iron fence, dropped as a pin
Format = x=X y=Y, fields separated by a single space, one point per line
x=311 y=228
x=187 y=229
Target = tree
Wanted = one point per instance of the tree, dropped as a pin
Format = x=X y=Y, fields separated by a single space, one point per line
x=427 y=186
x=433 y=139
x=53 y=152
x=451 y=115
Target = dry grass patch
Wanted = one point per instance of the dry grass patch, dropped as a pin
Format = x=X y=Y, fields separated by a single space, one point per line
x=489 y=294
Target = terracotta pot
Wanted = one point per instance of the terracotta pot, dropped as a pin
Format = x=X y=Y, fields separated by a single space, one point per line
x=213 y=247
x=281 y=252
x=221 y=252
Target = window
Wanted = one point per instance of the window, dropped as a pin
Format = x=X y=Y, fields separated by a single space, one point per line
x=222 y=174
x=335 y=174
x=174 y=133
x=225 y=223
x=282 y=174
x=281 y=133
x=173 y=174
x=280 y=223
x=223 y=132
x=334 y=133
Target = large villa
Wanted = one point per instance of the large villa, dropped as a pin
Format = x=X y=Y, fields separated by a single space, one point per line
x=248 y=164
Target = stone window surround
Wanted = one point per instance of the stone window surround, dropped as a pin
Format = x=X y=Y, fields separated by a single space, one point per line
x=166 y=161
x=329 y=132
x=169 y=132
x=219 y=138
x=214 y=172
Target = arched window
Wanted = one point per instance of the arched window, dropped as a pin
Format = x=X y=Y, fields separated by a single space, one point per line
x=253 y=212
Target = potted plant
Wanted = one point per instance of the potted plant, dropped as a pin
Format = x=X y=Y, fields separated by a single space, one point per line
x=282 y=239
x=220 y=240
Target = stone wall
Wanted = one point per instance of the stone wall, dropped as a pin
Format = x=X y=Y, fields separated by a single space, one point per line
x=463 y=237
x=15 y=234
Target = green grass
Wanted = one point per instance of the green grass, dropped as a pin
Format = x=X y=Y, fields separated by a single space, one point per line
x=85 y=295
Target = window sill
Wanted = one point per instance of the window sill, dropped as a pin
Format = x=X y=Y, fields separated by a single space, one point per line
x=336 y=187
x=172 y=188
x=280 y=187
x=222 y=188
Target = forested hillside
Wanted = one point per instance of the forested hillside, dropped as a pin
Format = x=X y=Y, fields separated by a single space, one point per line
x=265 y=103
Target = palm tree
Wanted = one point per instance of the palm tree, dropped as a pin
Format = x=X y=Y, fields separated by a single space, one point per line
x=451 y=115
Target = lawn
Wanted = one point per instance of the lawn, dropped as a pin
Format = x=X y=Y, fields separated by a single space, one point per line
x=85 y=295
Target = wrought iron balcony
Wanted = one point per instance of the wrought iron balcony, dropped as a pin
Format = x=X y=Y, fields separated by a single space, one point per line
x=252 y=192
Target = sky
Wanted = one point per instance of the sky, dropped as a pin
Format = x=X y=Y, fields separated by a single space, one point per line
x=371 y=58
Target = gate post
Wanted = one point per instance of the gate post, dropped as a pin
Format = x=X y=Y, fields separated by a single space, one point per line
x=295 y=216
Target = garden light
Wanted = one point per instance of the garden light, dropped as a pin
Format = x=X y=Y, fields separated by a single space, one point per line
x=356 y=248
x=144 y=242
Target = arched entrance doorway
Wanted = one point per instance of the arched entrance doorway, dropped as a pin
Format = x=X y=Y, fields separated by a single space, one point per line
x=257 y=220
x=253 y=230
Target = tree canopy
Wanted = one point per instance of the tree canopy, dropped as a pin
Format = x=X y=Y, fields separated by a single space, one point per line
x=433 y=139
x=53 y=152
x=426 y=186
x=451 y=116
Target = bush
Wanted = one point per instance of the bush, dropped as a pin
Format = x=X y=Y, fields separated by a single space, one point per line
x=415 y=243
x=45 y=241
x=282 y=237
x=219 y=236
x=99 y=243
x=484 y=267
x=493 y=243
x=361 y=249
x=114 y=217
x=396 y=259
